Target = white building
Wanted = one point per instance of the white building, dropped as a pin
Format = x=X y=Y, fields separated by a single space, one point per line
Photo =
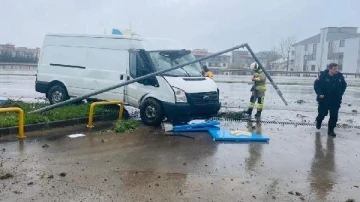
x=281 y=65
x=334 y=44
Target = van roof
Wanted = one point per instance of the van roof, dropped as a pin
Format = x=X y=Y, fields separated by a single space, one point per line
x=148 y=43
x=97 y=36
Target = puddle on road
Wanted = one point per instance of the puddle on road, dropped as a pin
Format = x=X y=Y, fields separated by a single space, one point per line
x=76 y=135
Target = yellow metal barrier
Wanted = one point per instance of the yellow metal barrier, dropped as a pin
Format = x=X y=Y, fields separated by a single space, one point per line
x=92 y=106
x=21 y=118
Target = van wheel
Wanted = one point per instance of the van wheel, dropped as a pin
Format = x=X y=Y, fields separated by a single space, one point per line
x=151 y=112
x=57 y=94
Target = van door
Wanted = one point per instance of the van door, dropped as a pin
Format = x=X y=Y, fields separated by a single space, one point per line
x=139 y=66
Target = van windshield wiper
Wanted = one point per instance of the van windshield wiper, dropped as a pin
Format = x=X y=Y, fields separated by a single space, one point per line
x=187 y=73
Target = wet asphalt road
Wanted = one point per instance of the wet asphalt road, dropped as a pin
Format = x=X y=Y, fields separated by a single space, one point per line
x=146 y=165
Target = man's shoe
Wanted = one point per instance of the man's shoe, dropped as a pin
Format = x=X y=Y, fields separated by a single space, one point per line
x=331 y=133
x=318 y=124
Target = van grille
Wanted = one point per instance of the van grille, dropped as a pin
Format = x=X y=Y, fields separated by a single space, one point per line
x=203 y=98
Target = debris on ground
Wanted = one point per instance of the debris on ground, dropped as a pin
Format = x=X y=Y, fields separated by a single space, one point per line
x=45 y=146
x=231 y=115
x=6 y=176
x=62 y=174
x=300 y=101
x=30 y=183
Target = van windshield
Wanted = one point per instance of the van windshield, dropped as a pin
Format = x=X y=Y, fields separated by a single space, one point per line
x=168 y=59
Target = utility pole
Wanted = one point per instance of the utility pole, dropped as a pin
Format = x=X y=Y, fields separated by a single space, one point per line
x=288 y=59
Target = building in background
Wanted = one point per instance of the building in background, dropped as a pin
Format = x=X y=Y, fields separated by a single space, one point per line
x=333 y=44
x=218 y=62
x=10 y=53
x=241 y=60
x=7 y=49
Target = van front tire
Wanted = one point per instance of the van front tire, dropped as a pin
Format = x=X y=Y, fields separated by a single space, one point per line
x=151 y=112
x=57 y=94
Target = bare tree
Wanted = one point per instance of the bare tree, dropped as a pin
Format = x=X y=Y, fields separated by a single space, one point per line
x=268 y=57
x=285 y=49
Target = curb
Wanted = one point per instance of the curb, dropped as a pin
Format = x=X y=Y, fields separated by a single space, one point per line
x=55 y=124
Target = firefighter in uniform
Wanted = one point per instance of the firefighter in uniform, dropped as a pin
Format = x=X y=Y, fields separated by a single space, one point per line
x=329 y=87
x=258 y=91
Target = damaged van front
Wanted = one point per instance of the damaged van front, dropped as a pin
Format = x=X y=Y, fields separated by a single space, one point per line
x=195 y=96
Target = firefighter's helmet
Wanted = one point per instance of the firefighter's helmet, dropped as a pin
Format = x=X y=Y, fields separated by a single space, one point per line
x=255 y=67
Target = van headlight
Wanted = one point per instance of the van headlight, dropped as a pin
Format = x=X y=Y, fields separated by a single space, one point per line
x=180 y=95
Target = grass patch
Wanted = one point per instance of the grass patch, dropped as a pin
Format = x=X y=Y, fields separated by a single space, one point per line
x=123 y=126
x=63 y=113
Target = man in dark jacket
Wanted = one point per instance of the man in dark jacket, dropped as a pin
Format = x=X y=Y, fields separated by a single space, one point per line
x=329 y=87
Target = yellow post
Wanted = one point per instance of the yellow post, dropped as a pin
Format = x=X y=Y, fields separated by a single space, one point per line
x=21 y=119
x=92 y=106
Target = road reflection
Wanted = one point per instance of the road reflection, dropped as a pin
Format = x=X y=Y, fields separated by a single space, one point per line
x=255 y=149
x=322 y=168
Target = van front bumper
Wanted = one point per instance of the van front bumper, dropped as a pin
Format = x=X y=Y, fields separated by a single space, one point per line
x=185 y=111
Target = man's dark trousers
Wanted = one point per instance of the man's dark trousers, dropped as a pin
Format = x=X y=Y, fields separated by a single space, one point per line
x=327 y=104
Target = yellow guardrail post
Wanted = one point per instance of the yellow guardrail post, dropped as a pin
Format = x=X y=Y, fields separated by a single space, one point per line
x=92 y=106
x=21 y=118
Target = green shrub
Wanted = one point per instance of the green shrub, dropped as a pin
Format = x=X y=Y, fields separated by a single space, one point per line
x=122 y=126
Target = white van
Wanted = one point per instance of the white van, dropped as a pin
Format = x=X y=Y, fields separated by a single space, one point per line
x=74 y=65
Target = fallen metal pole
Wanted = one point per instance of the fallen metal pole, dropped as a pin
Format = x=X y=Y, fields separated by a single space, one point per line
x=267 y=74
x=66 y=102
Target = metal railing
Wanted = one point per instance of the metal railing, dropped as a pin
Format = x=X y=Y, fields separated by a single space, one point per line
x=275 y=72
x=21 y=118
x=92 y=106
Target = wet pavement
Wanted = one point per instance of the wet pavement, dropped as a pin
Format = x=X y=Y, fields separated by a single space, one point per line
x=299 y=164
x=145 y=165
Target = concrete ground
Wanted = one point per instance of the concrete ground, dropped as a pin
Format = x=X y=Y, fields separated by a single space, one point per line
x=298 y=164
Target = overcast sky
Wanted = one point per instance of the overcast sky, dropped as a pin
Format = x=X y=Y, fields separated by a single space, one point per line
x=211 y=24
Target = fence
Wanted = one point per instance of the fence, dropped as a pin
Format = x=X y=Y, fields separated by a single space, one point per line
x=18 y=66
x=274 y=73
